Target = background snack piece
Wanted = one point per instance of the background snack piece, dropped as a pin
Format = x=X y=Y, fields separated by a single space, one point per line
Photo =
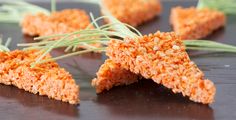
x=46 y=79
x=193 y=23
x=162 y=57
x=65 y=21
x=112 y=74
x=133 y=12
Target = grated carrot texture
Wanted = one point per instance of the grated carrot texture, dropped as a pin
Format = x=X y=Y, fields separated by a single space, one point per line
x=65 y=21
x=45 y=79
x=133 y=12
x=193 y=23
x=111 y=74
x=162 y=58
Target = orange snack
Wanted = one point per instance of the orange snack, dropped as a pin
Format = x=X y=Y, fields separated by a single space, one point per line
x=193 y=23
x=162 y=58
x=133 y=12
x=65 y=21
x=46 y=79
x=112 y=74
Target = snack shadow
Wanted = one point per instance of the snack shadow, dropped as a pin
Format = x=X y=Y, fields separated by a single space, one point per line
x=34 y=101
x=149 y=100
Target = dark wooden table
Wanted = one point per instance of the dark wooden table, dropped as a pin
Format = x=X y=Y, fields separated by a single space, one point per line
x=143 y=100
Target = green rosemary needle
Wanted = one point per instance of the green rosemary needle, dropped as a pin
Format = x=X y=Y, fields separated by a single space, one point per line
x=4 y=48
x=102 y=35
x=14 y=11
x=226 y=6
x=53 y=5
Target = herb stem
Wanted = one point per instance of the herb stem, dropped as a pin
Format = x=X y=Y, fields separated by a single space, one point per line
x=211 y=49
x=208 y=44
x=68 y=55
x=226 y=6
x=53 y=5
x=4 y=48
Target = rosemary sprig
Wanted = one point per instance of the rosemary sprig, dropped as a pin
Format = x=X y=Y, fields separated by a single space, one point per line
x=226 y=6
x=208 y=45
x=69 y=55
x=14 y=11
x=86 y=38
x=102 y=34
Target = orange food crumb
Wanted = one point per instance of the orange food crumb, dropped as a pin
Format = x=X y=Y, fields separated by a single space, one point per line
x=133 y=12
x=162 y=58
x=193 y=23
x=46 y=79
x=65 y=21
x=111 y=74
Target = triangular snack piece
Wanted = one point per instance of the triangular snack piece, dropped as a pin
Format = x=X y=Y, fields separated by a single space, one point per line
x=132 y=12
x=111 y=74
x=59 y=22
x=192 y=23
x=162 y=58
x=46 y=79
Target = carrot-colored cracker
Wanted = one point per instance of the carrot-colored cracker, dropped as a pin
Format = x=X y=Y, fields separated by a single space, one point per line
x=162 y=58
x=133 y=12
x=193 y=23
x=46 y=79
x=65 y=21
x=112 y=74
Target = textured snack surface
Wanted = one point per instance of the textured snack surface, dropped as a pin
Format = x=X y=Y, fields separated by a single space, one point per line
x=193 y=23
x=111 y=74
x=133 y=12
x=46 y=79
x=162 y=58
x=65 y=21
